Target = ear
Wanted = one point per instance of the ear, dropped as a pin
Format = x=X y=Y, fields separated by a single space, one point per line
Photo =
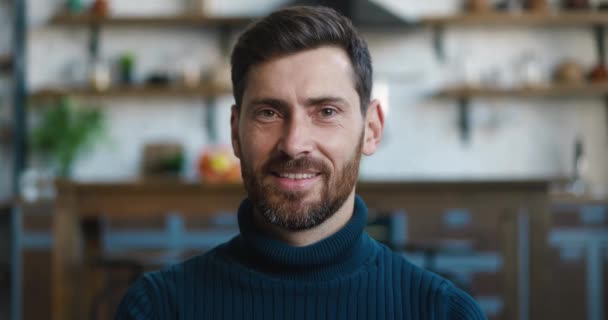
x=373 y=127
x=234 y=131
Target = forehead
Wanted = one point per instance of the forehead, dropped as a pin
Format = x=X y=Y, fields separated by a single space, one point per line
x=323 y=71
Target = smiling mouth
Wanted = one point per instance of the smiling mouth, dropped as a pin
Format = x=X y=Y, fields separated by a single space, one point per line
x=295 y=176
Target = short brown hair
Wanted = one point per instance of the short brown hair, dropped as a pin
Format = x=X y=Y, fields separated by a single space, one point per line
x=295 y=29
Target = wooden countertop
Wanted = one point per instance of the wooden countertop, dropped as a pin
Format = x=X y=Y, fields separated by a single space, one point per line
x=570 y=199
x=235 y=191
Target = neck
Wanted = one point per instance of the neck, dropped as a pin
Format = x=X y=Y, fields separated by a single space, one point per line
x=310 y=236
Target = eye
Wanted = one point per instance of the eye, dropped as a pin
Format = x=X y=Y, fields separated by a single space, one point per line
x=328 y=112
x=267 y=113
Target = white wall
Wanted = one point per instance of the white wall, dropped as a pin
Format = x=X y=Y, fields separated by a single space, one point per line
x=510 y=137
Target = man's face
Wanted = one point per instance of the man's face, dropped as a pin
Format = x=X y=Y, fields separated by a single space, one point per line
x=299 y=135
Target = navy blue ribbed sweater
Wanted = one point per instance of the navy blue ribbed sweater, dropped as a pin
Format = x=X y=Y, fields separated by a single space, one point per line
x=346 y=276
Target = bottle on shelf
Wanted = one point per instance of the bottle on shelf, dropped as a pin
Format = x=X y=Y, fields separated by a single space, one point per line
x=126 y=68
x=537 y=5
x=478 y=6
x=599 y=73
x=100 y=76
x=101 y=8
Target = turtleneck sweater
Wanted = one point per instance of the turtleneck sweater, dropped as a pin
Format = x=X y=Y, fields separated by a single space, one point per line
x=347 y=275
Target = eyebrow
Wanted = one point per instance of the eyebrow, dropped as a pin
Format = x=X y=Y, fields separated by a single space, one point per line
x=281 y=104
x=326 y=100
x=276 y=103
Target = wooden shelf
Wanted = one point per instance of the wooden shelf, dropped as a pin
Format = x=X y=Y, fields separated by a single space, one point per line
x=491 y=18
x=556 y=90
x=181 y=20
x=135 y=91
x=564 y=18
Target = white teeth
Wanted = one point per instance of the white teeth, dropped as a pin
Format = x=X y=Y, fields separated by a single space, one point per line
x=297 y=176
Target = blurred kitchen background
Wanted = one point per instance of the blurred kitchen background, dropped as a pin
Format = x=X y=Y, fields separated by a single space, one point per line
x=115 y=152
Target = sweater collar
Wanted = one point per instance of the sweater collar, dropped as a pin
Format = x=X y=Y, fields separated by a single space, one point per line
x=341 y=252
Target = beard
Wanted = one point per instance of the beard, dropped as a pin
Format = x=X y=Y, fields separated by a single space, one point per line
x=289 y=209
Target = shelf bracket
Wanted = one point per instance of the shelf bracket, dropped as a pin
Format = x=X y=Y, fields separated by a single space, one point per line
x=600 y=45
x=95 y=30
x=464 y=119
x=438 y=45
x=225 y=31
x=211 y=119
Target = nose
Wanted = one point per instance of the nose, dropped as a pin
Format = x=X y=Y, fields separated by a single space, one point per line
x=296 y=140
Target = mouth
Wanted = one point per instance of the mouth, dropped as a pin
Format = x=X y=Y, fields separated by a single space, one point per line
x=292 y=181
x=296 y=176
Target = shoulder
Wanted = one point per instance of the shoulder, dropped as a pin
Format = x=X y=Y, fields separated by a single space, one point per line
x=138 y=302
x=154 y=294
x=416 y=278
x=430 y=291
x=457 y=304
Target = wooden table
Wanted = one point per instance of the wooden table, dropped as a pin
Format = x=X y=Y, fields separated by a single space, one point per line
x=79 y=204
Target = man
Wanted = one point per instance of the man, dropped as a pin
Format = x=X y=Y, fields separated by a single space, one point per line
x=302 y=119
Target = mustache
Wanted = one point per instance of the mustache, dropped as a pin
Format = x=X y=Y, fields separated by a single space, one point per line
x=285 y=163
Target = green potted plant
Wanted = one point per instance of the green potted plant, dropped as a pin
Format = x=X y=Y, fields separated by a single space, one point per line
x=126 y=66
x=66 y=130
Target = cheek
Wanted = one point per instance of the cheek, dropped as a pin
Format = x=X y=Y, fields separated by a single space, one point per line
x=339 y=150
x=256 y=145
